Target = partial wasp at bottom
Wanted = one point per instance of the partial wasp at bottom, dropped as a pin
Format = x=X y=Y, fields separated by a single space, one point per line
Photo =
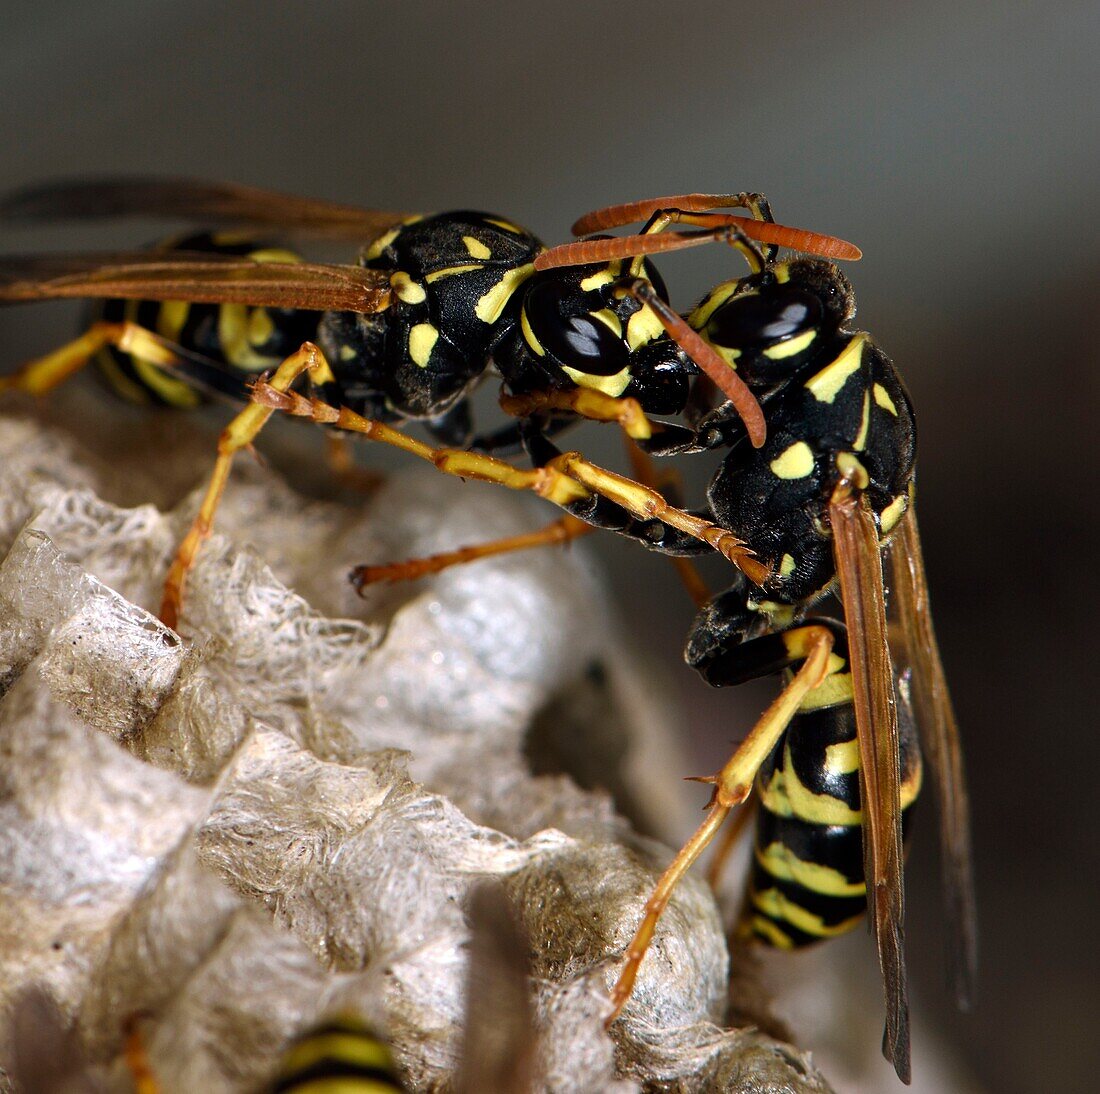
x=833 y=764
x=403 y=336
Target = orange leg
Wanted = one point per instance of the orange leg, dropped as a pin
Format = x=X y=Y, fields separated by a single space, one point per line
x=730 y=839
x=732 y=786
x=137 y=1060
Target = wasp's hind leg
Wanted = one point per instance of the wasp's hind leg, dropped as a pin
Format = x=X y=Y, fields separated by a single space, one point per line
x=811 y=645
x=43 y=374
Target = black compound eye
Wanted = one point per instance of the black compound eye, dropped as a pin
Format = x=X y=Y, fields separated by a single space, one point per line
x=656 y=280
x=579 y=341
x=763 y=318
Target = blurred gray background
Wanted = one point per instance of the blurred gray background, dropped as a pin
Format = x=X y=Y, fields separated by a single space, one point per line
x=957 y=144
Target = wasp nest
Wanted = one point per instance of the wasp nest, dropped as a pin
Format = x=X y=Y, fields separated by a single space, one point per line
x=283 y=812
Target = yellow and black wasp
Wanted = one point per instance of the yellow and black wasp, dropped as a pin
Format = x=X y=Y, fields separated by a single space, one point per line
x=835 y=760
x=401 y=336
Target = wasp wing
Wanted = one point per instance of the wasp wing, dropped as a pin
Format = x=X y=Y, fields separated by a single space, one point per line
x=207 y=203
x=498 y=1051
x=198 y=278
x=940 y=735
x=859 y=568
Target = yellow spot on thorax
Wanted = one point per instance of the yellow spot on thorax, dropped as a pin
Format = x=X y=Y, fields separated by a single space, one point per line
x=826 y=384
x=795 y=462
x=864 y=425
x=476 y=248
x=407 y=290
x=452 y=271
x=422 y=340
x=882 y=397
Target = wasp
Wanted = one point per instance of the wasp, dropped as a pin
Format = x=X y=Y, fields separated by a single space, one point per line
x=402 y=336
x=834 y=764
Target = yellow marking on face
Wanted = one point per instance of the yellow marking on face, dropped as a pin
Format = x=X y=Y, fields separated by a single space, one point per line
x=893 y=513
x=375 y=249
x=642 y=328
x=600 y=277
x=529 y=335
x=476 y=248
x=609 y=320
x=422 y=339
x=864 y=425
x=773 y=903
x=713 y=300
x=795 y=462
x=770 y=931
x=791 y=347
x=408 y=290
x=850 y=467
x=609 y=385
x=452 y=271
x=782 y=272
x=507 y=225
x=490 y=306
x=827 y=383
x=786 y=565
x=831 y=692
x=782 y=864
x=882 y=397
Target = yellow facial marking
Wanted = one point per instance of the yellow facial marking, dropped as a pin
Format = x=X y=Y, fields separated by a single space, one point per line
x=411 y=292
x=609 y=320
x=782 y=272
x=864 y=425
x=529 y=335
x=490 y=306
x=643 y=327
x=882 y=397
x=795 y=462
x=452 y=271
x=609 y=385
x=791 y=347
x=893 y=513
x=713 y=300
x=476 y=248
x=422 y=339
x=782 y=864
x=594 y=281
x=827 y=383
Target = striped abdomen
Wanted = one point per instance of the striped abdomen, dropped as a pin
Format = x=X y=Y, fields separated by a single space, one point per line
x=244 y=341
x=807 y=879
x=341 y=1056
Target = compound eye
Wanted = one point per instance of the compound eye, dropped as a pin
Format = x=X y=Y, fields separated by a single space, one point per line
x=579 y=341
x=764 y=318
x=657 y=281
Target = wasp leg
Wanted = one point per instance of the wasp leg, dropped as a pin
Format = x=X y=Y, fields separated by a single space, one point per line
x=560 y=531
x=732 y=786
x=668 y=481
x=240 y=433
x=615 y=216
x=593 y=405
x=565 y=480
x=730 y=838
x=43 y=374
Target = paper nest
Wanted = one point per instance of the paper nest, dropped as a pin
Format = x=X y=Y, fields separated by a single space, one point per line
x=283 y=813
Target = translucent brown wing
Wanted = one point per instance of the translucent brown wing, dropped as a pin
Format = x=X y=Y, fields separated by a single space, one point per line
x=859 y=568
x=207 y=203
x=199 y=278
x=498 y=1051
x=940 y=737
